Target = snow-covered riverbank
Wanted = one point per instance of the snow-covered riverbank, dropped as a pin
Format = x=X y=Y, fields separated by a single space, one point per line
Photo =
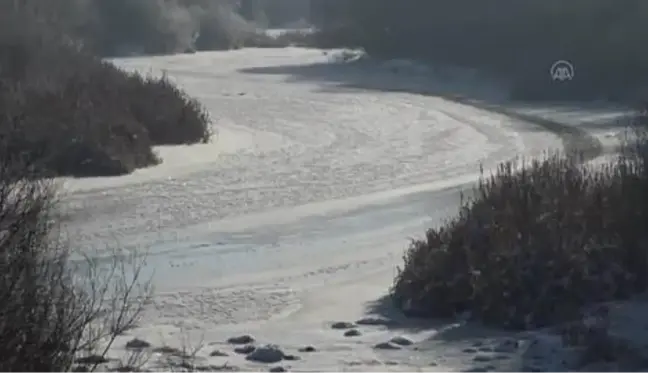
x=297 y=215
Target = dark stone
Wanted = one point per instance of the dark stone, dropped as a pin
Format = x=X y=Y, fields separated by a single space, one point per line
x=386 y=346
x=342 y=325
x=402 y=341
x=352 y=333
x=244 y=350
x=241 y=340
x=137 y=344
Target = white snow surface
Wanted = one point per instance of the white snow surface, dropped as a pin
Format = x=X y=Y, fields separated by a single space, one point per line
x=298 y=213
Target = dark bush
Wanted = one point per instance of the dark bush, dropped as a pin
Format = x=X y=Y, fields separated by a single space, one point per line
x=535 y=245
x=74 y=120
x=167 y=113
x=70 y=113
x=73 y=114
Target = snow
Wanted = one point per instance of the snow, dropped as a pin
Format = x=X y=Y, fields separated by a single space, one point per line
x=297 y=214
x=176 y=160
x=276 y=32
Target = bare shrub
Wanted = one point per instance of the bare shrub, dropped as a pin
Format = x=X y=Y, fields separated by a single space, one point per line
x=535 y=244
x=185 y=358
x=53 y=312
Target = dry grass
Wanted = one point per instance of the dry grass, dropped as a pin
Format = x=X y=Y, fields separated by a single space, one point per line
x=535 y=244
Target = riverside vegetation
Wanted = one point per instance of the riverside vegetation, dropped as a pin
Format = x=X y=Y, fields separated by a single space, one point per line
x=533 y=244
x=68 y=112
x=531 y=248
x=71 y=113
x=516 y=41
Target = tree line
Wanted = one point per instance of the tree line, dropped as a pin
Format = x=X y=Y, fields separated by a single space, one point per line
x=517 y=40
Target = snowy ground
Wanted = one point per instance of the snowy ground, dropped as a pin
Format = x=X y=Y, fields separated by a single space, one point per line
x=298 y=213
